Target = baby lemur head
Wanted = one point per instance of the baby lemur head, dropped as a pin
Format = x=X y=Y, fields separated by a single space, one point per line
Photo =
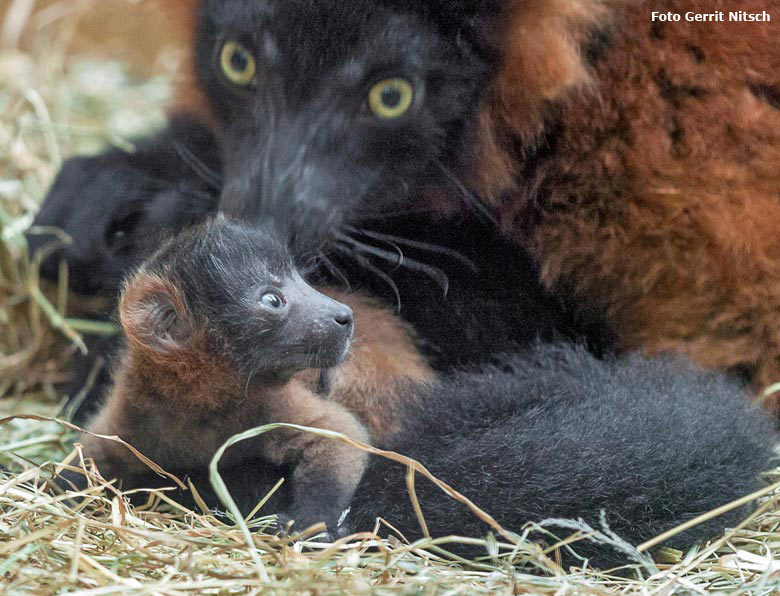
x=222 y=292
x=331 y=110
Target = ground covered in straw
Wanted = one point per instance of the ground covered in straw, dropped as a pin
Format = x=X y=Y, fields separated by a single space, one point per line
x=50 y=108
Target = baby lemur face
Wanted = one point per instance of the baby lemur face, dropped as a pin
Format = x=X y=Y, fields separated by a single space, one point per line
x=332 y=110
x=230 y=291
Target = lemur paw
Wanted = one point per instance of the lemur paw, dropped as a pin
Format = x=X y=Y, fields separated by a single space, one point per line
x=287 y=525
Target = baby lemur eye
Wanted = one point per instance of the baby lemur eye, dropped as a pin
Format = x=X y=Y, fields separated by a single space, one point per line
x=237 y=63
x=391 y=98
x=272 y=300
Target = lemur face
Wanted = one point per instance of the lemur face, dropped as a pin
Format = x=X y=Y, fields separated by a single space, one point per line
x=331 y=110
x=225 y=289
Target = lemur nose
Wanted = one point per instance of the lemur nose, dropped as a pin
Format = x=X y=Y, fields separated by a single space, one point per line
x=343 y=317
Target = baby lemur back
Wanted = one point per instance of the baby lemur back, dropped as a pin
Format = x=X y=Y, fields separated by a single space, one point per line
x=220 y=329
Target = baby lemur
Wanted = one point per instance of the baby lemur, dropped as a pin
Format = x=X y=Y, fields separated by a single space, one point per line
x=217 y=324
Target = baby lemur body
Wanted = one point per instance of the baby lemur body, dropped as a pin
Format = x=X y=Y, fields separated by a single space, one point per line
x=223 y=335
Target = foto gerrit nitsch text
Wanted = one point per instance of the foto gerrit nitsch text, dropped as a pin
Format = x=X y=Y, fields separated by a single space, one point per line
x=719 y=16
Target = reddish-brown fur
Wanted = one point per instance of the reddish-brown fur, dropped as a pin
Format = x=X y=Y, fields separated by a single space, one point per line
x=659 y=202
x=383 y=352
x=188 y=97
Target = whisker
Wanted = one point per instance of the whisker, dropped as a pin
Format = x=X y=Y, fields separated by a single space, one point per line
x=155 y=184
x=195 y=193
x=401 y=257
x=335 y=271
x=309 y=265
x=386 y=215
x=436 y=274
x=469 y=197
x=424 y=246
x=369 y=266
x=252 y=373
x=372 y=250
x=198 y=166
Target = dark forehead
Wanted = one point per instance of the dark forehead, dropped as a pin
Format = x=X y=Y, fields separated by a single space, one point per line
x=289 y=15
x=222 y=253
x=318 y=33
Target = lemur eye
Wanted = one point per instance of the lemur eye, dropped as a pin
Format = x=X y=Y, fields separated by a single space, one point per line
x=391 y=98
x=122 y=228
x=272 y=300
x=237 y=63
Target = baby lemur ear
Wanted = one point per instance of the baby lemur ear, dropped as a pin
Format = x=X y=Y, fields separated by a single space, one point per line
x=154 y=316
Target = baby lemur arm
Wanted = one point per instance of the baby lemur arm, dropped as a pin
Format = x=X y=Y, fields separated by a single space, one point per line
x=326 y=471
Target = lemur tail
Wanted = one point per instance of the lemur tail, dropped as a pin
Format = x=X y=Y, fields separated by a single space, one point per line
x=557 y=433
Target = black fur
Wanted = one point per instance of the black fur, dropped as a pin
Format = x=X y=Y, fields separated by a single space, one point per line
x=556 y=433
x=225 y=298
x=493 y=306
x=301 y=151
x=115 y=205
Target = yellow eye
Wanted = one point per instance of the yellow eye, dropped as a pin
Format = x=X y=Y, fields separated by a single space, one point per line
x=237 y=63
x=391 y=98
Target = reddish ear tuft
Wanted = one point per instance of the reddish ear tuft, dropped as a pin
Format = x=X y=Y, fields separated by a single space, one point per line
x=155 y=317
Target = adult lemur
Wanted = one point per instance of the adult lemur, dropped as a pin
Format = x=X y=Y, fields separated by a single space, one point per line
x=635 y=160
